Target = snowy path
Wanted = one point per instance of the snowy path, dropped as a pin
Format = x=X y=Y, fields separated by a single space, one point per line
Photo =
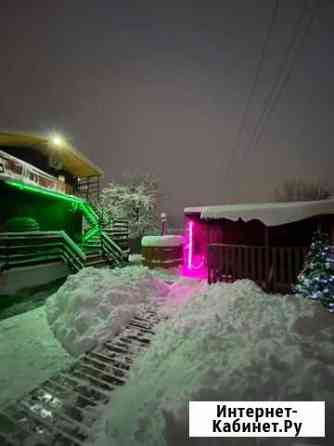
x=29 y=354
x=63 y=409
x=29 y=351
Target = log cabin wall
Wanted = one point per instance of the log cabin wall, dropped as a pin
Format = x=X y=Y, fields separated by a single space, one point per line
x=242 y=233
x=300 y=233
x=253 y=233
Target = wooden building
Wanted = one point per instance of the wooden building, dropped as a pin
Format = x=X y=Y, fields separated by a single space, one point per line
x=49 y=223
x=265 y=242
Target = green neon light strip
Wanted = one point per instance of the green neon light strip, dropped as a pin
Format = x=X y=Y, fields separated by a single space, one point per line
x=92 y=231
x=85 y=207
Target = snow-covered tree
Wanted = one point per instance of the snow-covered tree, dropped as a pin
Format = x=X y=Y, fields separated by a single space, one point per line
x=316 y=280
x=137 y=200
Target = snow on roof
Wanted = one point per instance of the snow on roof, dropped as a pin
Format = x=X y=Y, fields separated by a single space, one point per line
x=271 y=214
x=164 y=240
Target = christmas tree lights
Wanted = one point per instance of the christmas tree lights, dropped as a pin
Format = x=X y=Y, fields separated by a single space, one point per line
x=316 y=280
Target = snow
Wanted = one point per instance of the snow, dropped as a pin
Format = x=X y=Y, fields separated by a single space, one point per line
x=271 y=214
x=226 y=342
x=95 y=304
x=29 y=354
x=162 y=240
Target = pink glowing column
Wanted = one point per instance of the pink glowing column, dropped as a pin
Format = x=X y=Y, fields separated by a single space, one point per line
x=194 y=258
x=190 y=244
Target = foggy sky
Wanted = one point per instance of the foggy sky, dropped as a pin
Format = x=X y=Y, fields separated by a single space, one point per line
x=160 y=87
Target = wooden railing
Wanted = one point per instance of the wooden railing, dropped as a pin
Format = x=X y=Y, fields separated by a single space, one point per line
x=119 y=233
x=274 y=268
x=19 y=249
x=113 y=241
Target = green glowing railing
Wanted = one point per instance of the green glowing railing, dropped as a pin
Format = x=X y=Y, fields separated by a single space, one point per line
x=85 y=207
x=111 y=250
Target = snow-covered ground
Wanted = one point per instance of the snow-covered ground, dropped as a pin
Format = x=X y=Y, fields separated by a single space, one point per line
x=29 y=354
x=95 y=304
x=92 y=304
x=227 y=342
x=221 y=342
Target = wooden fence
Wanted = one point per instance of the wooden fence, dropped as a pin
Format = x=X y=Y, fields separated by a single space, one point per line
x=274 y=268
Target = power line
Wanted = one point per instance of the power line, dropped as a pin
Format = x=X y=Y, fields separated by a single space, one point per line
x=252 y=90
x=283 y=77
x=258 y=71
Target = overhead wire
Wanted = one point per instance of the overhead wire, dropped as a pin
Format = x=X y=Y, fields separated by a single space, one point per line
x=260 y=64
x=243 y=121
x=284 y=72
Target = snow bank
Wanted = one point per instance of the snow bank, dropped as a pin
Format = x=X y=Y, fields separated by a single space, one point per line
x=183 y=289
x=229 y=342
x=162 y=240
x=95 y=304
x=29 y=354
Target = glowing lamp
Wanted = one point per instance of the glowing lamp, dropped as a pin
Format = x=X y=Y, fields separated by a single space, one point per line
x=57 y=140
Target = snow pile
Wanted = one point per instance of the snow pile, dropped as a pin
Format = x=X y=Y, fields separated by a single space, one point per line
x=29 y=354
x=95 y=304
x=162 y=240
x=183 y=289
x=229 y=342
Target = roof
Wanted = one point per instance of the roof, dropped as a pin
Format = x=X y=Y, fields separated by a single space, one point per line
x=271 y=214
x=74 y=161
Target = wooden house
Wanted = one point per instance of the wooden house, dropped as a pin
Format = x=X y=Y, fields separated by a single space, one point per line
x=265 y=242
x=49 y=223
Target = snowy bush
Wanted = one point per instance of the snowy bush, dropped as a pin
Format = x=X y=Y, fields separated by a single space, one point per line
x=137 y=200
x=229 y=342
x=95 y=304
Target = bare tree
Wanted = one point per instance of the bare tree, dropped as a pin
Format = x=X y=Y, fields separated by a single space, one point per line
x=299 y=189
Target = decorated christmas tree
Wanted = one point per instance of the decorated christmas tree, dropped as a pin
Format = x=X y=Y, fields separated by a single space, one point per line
x=316 y=280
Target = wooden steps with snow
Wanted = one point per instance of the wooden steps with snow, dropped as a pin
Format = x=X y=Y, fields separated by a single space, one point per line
x=94 y=256
x=62 y=410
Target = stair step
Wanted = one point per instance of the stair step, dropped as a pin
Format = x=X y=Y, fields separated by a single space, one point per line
x=92 y=251
x=97 y=263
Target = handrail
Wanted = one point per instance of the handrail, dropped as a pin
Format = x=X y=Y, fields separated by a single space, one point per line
x=111 y=249
x=52 y=243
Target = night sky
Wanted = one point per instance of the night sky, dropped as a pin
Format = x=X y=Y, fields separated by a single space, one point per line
x=160 y=87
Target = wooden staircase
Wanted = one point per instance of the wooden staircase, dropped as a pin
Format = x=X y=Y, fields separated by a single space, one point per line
x=94 y=253
x=22 y=249
x=119 y=233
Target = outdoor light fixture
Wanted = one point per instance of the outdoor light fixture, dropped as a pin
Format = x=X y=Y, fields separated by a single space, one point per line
x=57 y=140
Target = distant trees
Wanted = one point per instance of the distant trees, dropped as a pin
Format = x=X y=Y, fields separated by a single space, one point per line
x=137 y=199
x=302 y=190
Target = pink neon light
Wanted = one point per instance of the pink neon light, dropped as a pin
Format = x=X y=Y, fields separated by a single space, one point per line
x=194 y=262
x=190 y=244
